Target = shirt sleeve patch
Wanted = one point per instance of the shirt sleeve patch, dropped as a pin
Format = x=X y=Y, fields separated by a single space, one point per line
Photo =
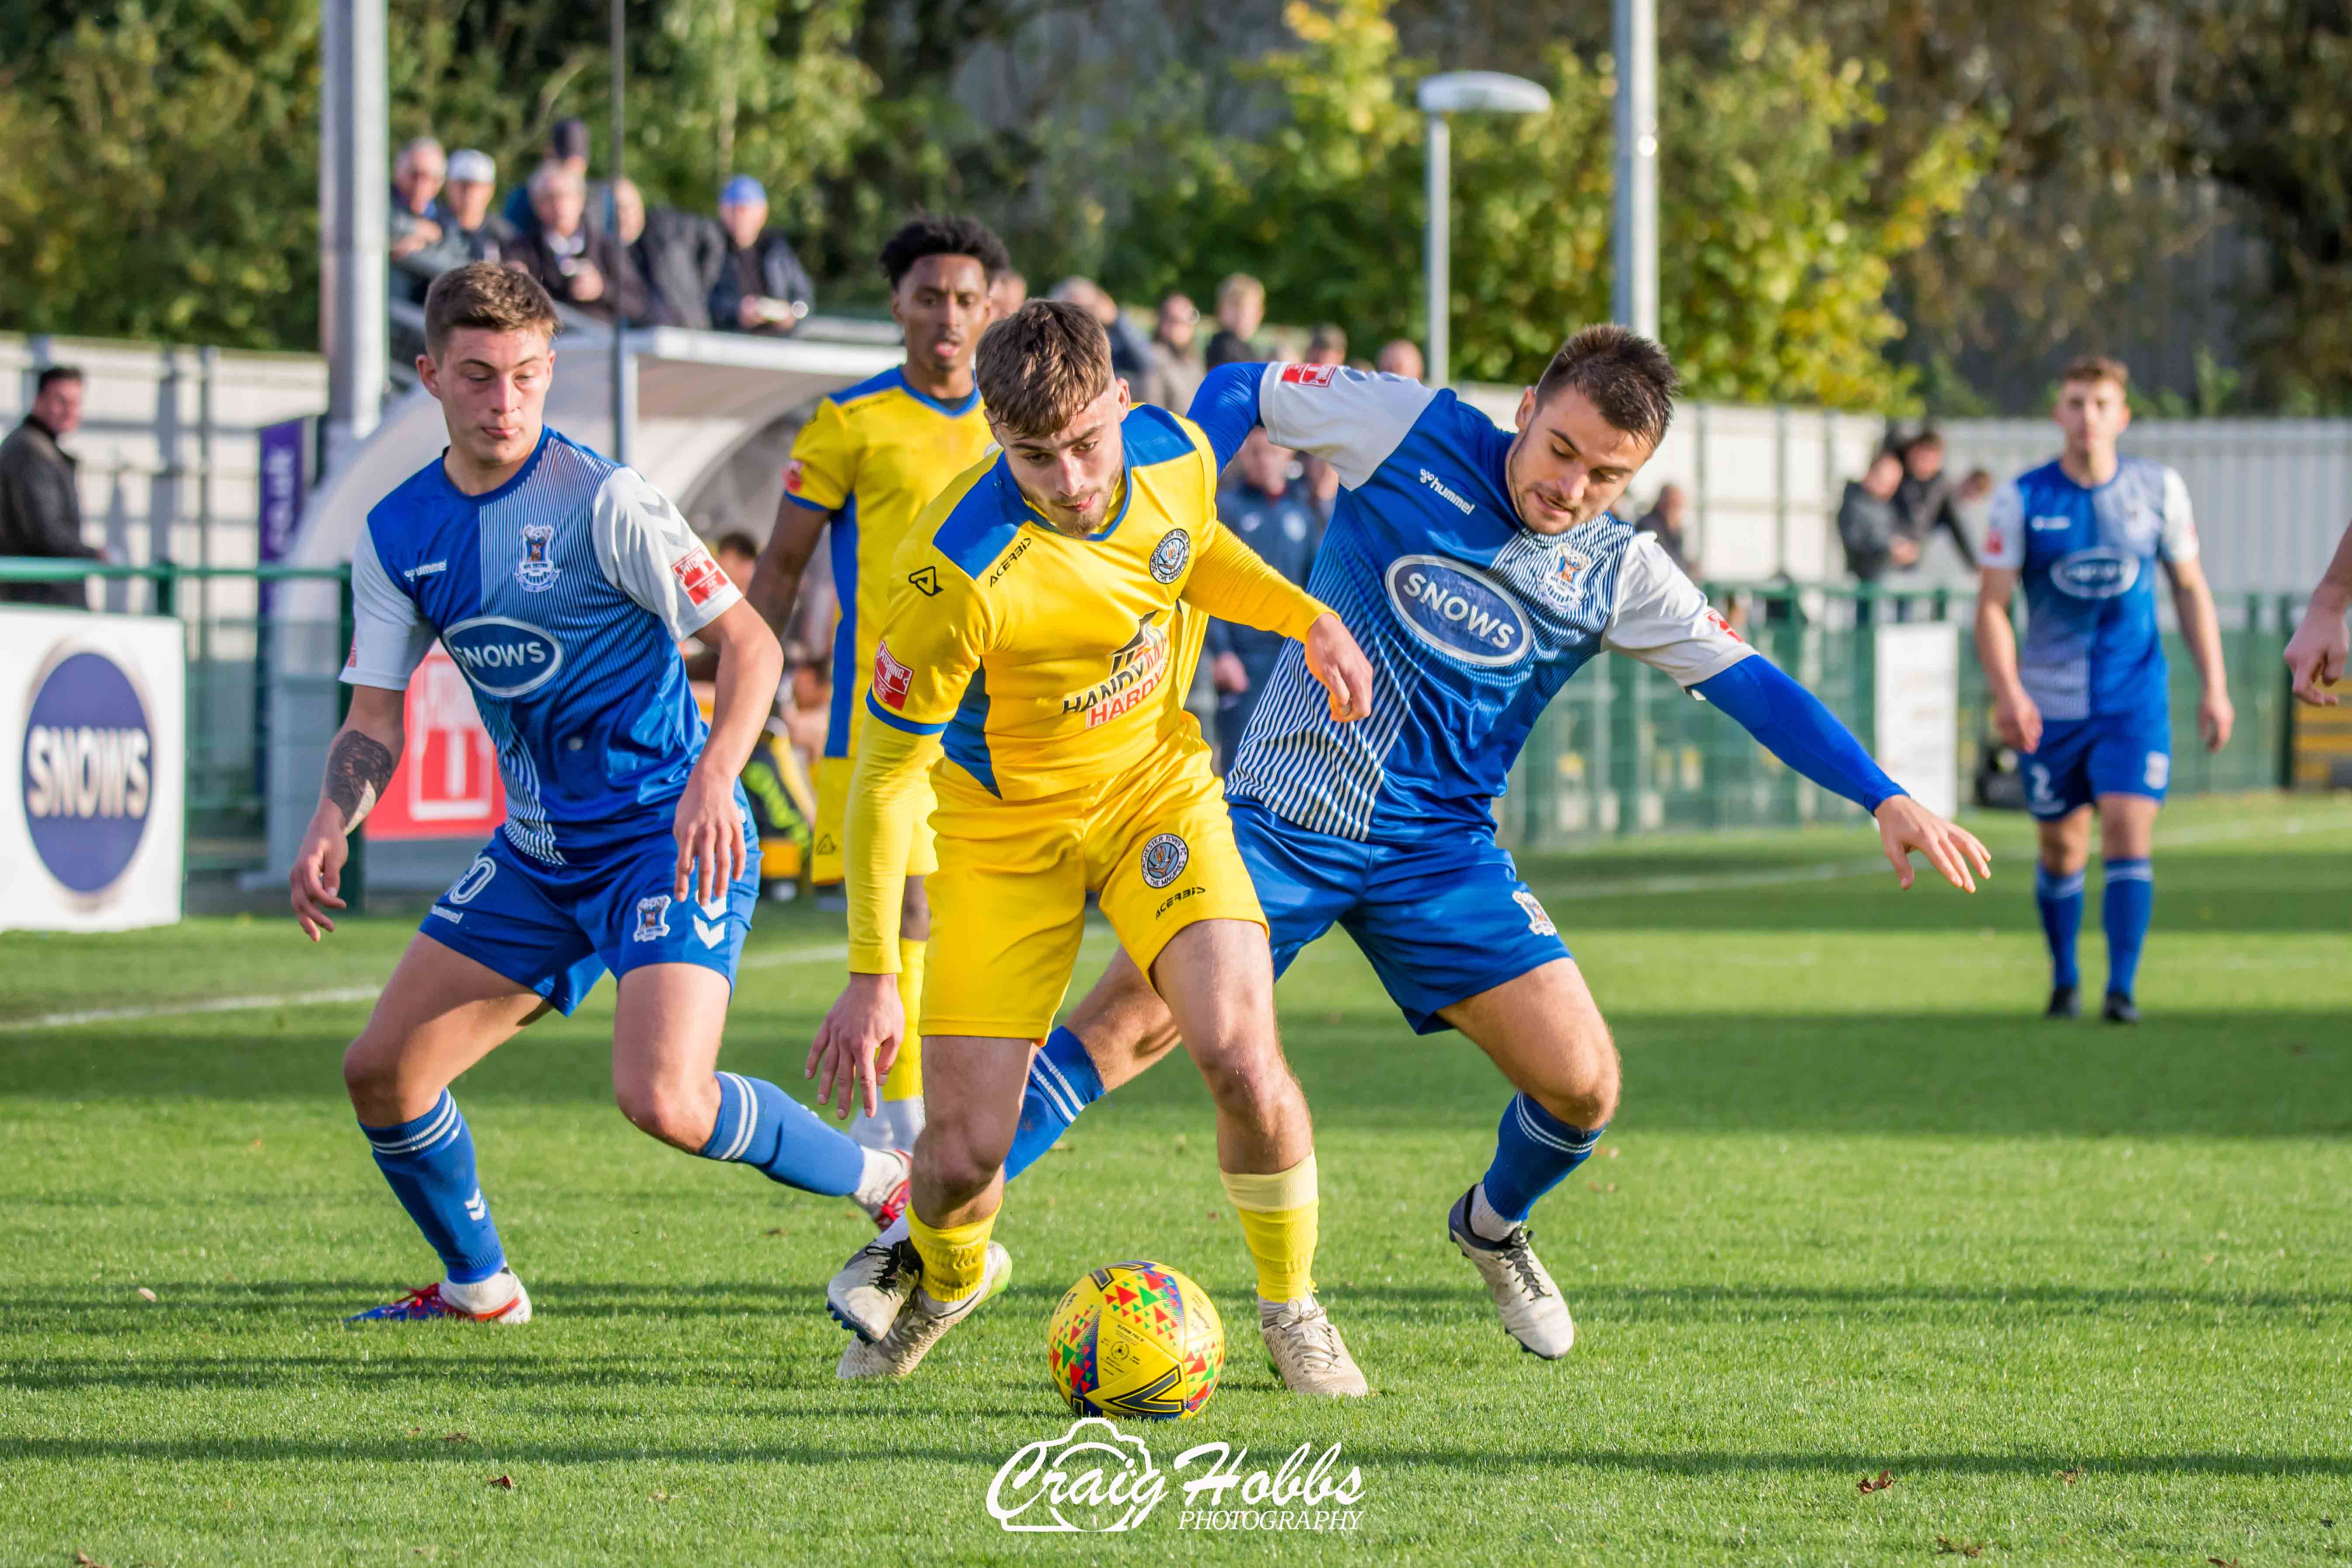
x=1309 y=374
x=891 y=680
x=699 y=575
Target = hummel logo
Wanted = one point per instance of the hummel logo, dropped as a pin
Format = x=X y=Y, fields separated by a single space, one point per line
x=2048 y=524
x=1433 y=483
x=475 y=1209
x=430 y=567
x=711 y=935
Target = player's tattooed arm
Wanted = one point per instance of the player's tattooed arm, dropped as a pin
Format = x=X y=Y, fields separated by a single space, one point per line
x=358 y=767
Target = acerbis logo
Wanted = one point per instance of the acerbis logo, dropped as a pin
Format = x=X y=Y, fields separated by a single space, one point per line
x=86 y=769
x=1458 y=610
x=503 y=657
x=2095 y=574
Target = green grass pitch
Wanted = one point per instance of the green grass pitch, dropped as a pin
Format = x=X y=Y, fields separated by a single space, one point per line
x=2081 y=1291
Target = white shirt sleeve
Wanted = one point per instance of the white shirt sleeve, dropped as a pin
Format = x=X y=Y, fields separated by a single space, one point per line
x=389 y=637
x=2004 y=536
x=1661 y=619
x=2178 y=540
x=1353 y=419
x=647 y=552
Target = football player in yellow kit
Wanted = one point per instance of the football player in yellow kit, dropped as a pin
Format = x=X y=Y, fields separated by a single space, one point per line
x=869 y=460
x=1028 y=640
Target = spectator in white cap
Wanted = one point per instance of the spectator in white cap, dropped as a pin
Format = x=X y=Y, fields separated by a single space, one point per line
x=761 y=285
x=473 y=182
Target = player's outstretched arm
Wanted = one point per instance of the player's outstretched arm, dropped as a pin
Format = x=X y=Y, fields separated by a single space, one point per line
x=360 y=761
x=2317 y=653
x=1793 y=725
x=1231 y=582
x=711 y=851
x=2200 y=628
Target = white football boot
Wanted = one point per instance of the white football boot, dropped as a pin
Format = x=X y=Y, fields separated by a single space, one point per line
x=865 y=1295
x=1523 y=1291
x=1308 y=1354
x=918 y=1326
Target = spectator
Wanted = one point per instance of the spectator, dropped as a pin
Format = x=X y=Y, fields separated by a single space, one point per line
x=567 y=147
x=1322 y=482
x=1007 y=293
x=1665 y=519
x=1870 y=527
x=473 y=180
x=1400 y=356
x=762 y=286
x=1130 y=354
x=582 y=269
x=676 y=255
x=1328 y=346
x=418 y=227
x=1241 y=310
x=1175 y=373
x=1277 y=519
x=1925 y=499
x=41 y=498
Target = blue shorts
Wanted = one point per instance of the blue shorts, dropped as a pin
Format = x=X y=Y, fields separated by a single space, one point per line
x=556 y=929
x=1441 y=917
x=2080 y=759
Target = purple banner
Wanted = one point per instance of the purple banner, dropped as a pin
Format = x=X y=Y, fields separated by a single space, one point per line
x=282 y=491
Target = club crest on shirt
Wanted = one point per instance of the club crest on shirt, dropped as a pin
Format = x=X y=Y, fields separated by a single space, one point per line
x=1169 y=556
x=1165 y=856
x=1559 y=585
x=535 y=572
x=653 y=918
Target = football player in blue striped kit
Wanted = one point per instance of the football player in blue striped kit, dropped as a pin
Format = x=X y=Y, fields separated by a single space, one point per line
x=2084 y=700
x=1481 y=569
x=561 y=583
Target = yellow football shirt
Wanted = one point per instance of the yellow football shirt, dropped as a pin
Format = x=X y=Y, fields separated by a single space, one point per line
x=874 y=454
x=1039 y=661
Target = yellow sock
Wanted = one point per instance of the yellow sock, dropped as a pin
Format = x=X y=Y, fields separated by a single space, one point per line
x=1279 y=1216
x=905 y=1079
x=954 y=1256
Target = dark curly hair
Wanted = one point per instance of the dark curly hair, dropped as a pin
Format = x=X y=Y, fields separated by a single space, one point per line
x=944 y=234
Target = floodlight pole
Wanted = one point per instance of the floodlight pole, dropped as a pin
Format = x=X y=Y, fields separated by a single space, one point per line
x=621 y=401
x=354 y=211
x=1454 y=92
x=1636 y=239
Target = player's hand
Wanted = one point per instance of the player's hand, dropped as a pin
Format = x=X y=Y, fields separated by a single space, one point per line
x=1333 y=658
x=318 y=872
x=2318 y=652
x=711 y=852
x=2215 y=718
x=857 y=1042
x=2017 y=721
x=1904 y=825
x=1228 y=674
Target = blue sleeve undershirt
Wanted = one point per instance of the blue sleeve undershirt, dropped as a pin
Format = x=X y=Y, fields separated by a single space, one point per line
x=1225 y=408
x=1793 y=725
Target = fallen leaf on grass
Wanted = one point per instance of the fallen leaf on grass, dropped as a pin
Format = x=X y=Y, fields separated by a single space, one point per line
x=254 y=1146
x=775 y=1230
x=661 y=1496
x=2222 y=1562
x=84 y=1560
x=2070 y=1477
x=1609 y=1151
x=1885 y=1479
x=455 y=1437
x=146 y=1294
x=1947 y=1546
x=504 y=1483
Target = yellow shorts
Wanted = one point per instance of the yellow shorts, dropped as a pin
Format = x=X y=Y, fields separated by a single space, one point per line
x=1009 y=901
x=833 y=775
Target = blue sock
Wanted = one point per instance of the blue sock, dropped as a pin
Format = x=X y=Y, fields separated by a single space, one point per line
x=430 y=1163
x=1062 y=1082
x=2130 y=899
x=2061 y=898
x=1534 y=1152
x=762 y=1126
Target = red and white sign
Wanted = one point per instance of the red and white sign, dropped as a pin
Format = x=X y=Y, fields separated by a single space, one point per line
x=1309 y=374
x=891 y=678
x=698 y=574
x=448 y=784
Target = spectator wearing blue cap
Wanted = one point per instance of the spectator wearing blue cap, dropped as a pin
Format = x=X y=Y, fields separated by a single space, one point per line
x=761 y=287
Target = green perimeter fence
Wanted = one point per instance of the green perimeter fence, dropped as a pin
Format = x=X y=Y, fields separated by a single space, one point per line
x=1620 y=751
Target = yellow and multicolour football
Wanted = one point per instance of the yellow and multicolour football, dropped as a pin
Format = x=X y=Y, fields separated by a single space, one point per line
x=1135 y=1339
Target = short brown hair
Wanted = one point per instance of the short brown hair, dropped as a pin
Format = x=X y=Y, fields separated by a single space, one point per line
x=1624 y=375
x=486 y=295
x=1040 y=365
x=2097 y=367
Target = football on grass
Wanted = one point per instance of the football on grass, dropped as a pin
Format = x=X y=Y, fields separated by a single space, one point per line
x=1136 y=1340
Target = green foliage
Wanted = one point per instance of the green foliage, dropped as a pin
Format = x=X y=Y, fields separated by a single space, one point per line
x=1778 y=232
